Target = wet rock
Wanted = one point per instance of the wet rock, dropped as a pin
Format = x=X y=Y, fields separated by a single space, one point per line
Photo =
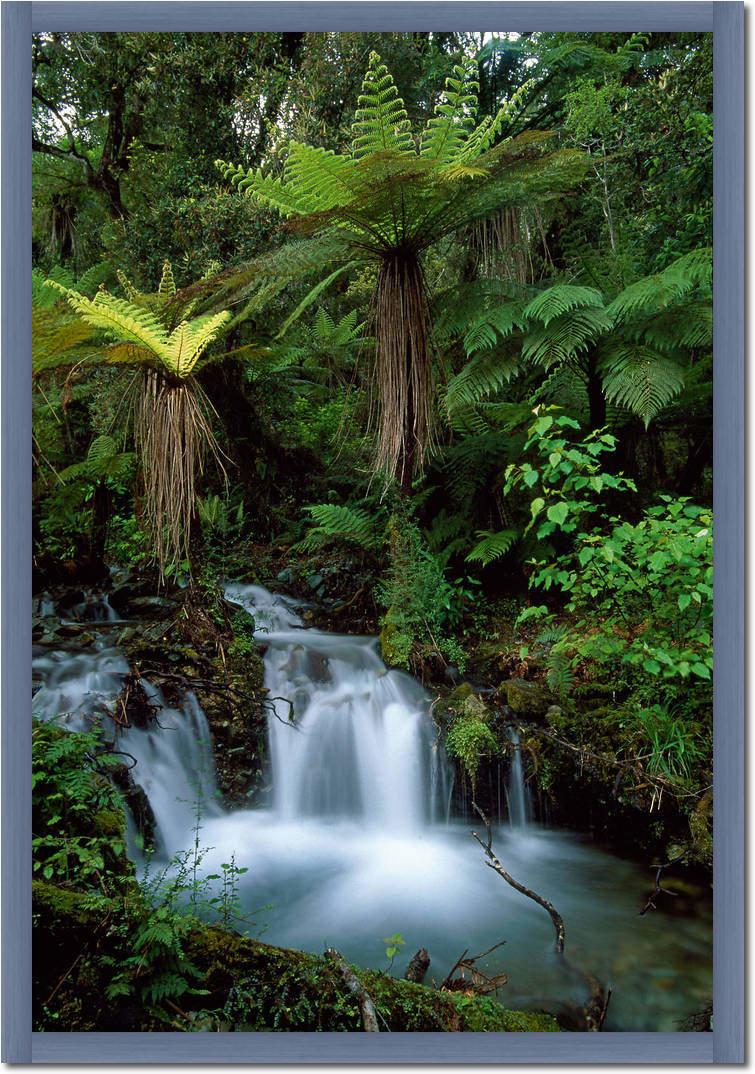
x=526 y=698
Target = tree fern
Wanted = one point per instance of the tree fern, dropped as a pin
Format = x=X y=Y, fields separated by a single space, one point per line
x=395 y=194
x=560 y=299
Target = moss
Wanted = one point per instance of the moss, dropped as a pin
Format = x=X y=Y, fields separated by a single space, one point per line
x=110 y=822
x=395 y=645
x=243 y=984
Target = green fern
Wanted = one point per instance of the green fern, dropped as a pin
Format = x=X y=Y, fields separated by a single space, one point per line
x=381 y=124
x=335 y=522
x=642 y=380
x=560 y=299
x=492 y=546
x=145 y=337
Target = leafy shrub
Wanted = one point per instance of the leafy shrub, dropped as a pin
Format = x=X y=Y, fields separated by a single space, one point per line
x=78 y=821
x=419 y=600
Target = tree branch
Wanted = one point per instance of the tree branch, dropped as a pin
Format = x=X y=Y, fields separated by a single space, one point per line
x=494 y=863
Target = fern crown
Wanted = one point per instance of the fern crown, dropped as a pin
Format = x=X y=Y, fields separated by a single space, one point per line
x=137 y=325
x=442 y=177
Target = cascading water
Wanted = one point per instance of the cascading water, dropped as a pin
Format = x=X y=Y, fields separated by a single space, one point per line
x=356 y=843
x=172 y=757
x=517 y=794
x=348 y=738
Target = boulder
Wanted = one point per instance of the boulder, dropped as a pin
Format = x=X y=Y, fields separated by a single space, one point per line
x=526 y=698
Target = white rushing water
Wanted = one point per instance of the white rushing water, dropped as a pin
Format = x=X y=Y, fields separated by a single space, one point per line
x=356 y=843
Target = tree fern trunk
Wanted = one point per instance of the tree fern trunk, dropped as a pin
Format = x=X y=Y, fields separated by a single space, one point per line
x=403 y=370
x=595 y=396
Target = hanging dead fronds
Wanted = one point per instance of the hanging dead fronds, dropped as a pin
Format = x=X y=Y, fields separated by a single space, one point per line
x=174 y=437
x=503 y=244
x=403 y=368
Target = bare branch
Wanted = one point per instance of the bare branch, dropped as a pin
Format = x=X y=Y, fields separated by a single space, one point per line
x=494 y=863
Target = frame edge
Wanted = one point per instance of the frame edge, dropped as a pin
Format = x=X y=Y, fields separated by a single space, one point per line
x=728 y=512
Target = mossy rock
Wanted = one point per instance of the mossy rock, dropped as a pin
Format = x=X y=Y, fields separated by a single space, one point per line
x=526 y=698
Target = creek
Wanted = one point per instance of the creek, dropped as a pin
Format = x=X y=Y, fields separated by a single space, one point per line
x=356 y=841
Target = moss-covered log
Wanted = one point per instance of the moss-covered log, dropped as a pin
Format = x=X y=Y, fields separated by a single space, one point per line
x=241 y=984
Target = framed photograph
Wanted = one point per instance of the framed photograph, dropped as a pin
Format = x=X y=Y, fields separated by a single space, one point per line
x=368 y=693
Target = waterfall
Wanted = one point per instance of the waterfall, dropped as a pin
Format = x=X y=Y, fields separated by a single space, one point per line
x=171 y=759
x=348 y=738
x=517 y=793
x=357 y=843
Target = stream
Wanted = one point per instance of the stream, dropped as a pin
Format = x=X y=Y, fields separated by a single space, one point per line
x=356 y=842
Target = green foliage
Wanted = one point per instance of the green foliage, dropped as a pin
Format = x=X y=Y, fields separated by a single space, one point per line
x=337 y=522
x=394 y=945
x=420 y=602
x=470 y=739
x=78 y=823
x=141 y=334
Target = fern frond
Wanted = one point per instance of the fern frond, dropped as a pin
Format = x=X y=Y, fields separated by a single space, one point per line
x=381 y=122
x=59 y=339
x=559 y=299
x=189 y=340
x=269 y=191
x=493 y=324
x=565 y=337
x=487 y=372
x=117 y=317
x=492 y=546
x=447 y=131
x=654 y=293
x=167 y=286
x=337 y=522
x=640 y=379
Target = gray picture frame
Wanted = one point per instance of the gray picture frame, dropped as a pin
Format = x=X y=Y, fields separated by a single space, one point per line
x=725 y=19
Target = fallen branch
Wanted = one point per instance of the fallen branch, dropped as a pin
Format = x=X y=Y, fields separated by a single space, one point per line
x=659 y=889
x=494 y=863
x=355 y=986
x=593 y=1013
x=480 y=982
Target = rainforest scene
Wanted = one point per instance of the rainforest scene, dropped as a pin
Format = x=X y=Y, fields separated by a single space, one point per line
x=372 y=532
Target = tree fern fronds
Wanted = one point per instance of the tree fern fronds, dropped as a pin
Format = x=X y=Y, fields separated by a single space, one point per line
x=321 y=175
x=59 y=339
x=559 y=299
x=269 y=191
x=447 y=131
x=381 y=120
x=131 y=292
x=492 y=325
x=685 y=325
x=487 y=372
x=567 y=387
x=490 y=128
x=312 y=295
x=656 y=292
x=189 y=340
x=565 y=337
x=103 y=460
x=492 y=546
x=640 y=379
x=167 y=285
x=338 y=522
x=118 y=317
